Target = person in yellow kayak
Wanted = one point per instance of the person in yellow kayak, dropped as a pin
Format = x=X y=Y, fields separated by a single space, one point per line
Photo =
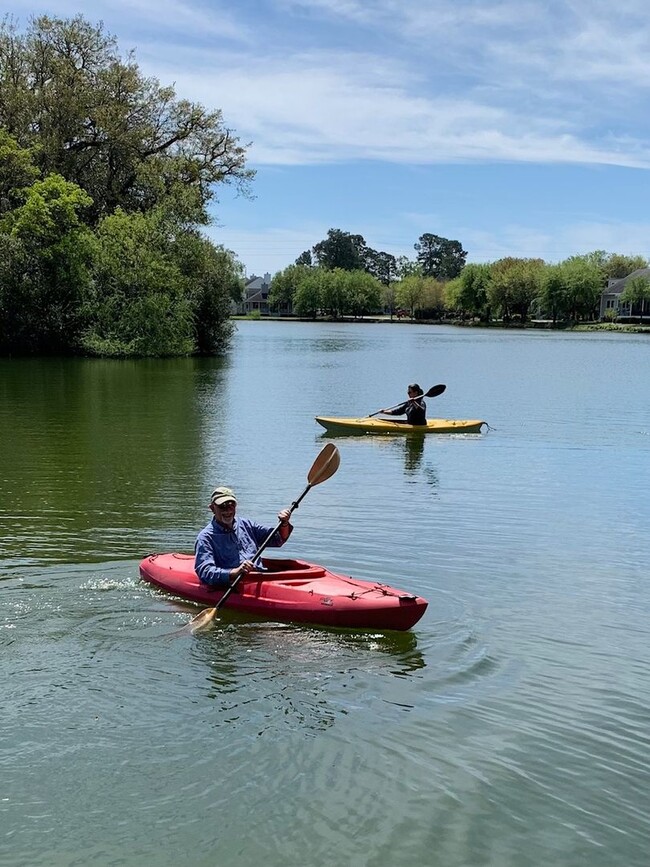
x=415 y=409
x=225 y=549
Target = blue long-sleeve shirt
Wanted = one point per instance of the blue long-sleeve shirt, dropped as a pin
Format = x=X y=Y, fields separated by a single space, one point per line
x=414 y=410
x=218 y=550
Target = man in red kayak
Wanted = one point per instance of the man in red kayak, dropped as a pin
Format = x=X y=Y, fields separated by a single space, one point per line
x=414 y=408
x=225 y=548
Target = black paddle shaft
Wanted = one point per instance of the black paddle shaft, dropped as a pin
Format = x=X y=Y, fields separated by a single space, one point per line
x=434 y=391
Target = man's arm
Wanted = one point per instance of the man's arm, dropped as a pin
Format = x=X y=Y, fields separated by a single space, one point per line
x=204 y=566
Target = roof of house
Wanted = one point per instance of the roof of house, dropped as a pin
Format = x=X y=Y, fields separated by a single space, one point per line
x=257 y=297
x=255 y=282
x=617 y=286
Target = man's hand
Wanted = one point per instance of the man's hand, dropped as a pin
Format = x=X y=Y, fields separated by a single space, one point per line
x=245 y=567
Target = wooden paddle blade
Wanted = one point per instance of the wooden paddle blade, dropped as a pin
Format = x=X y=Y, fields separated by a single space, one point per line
x=325 y=465
x=435 y=390
x=203 y=620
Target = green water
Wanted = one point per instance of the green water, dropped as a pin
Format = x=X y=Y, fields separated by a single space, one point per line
x=510 y=727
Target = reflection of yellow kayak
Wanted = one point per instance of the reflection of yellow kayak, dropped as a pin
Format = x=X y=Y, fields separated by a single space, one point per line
x=387 y=426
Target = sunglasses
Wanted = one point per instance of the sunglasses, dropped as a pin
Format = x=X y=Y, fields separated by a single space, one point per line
x=229 y=505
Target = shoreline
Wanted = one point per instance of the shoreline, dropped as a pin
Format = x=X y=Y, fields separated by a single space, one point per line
x=531 y=325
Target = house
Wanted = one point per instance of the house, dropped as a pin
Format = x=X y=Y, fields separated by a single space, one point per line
x=611 y=297
x=256 y=294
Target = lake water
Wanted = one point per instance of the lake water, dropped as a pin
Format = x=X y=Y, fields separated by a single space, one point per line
x=511 y=726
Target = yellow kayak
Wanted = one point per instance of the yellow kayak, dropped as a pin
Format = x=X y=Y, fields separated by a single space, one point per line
x=387 y=426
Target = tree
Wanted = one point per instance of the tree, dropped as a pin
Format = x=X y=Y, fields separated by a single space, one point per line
x=472 y=294
x=285 y=284
x=381 y=265
x=103 y=253
x=139 y=307
x=213 y=280
x=334 y=292
x=583 y=282
x=637 y=291
x=47 y=278
x=407 y=267
x=363 y=293
x=514 y=285
x=439 y=257
x=17 y=171
x=432 y=303
x=389 y=297
x=341 y=250
x=410 y=292
x=97 y=121
x=617 y=265
x=305 y=259
x=553 y=295
x=161 y=289
x=307 y=298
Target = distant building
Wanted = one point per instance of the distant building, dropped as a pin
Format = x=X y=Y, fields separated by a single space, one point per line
x=256 y=294
x=256 y=297
x=611 y=297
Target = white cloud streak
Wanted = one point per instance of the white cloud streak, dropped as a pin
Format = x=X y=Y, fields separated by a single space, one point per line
x=326 y=108
x=315 y=81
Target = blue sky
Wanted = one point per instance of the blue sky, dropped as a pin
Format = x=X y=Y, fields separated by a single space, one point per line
x=518 y=128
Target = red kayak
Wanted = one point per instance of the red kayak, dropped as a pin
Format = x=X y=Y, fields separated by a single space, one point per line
x=293 y=591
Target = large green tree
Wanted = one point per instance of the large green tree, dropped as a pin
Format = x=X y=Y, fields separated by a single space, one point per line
x=553 y=296
x=363 y=293
x=160 y=289
x=341 y=250
x=410 y=292
x=471 y=295
x=94 y=118
x=382 y=266
x=285 y=283
x=308 y=296
x=618 y=265
x=105 y=179
x=439 y=257
x=46 y=276
x=17 y=171
x=583 y=280
x=514 y=285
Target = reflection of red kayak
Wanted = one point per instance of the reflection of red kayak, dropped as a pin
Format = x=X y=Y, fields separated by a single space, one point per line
x=294 y=591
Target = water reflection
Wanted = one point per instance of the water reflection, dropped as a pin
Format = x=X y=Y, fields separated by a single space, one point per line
x=413 y=451
x=302 y=677
x=93 y=445
x=410 y=445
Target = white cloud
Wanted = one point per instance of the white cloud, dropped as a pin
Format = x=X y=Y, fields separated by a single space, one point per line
x=450 y=81
x=325 y=107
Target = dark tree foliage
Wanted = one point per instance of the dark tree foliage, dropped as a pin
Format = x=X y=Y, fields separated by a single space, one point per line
x=351 y=253
x=304 y=259
x=105 y=178
x=382 y=266
x=439 y=257
x=93 y=118
x=341 y=250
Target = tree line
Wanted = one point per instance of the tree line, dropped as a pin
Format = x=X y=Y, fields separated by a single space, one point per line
x=341 y=275
x=105 y=179
x=105 y=182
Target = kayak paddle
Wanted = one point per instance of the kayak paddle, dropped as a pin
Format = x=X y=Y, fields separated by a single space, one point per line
x=434 y=391
x=325 y=465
